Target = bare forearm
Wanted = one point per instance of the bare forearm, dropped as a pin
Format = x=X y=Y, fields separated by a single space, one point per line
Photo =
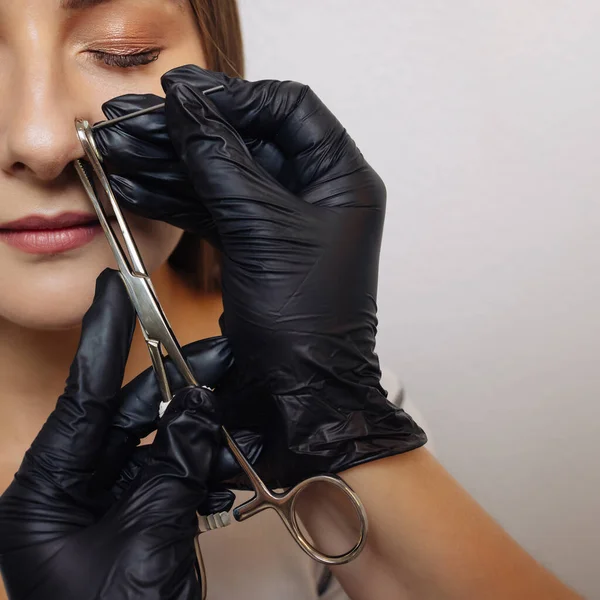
x=430 y=540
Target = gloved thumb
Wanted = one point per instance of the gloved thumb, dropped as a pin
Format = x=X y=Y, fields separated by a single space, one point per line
x=69 y=445
x=173 y=483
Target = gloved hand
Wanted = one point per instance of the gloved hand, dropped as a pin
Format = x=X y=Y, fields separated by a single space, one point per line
x=59 y=538
x=298 y=214
x=211 y=360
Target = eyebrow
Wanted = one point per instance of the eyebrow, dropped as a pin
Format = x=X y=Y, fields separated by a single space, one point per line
x=83 y=4
x=80 y=4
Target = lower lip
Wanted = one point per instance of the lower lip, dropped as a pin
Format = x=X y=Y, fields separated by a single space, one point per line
x=51 y=241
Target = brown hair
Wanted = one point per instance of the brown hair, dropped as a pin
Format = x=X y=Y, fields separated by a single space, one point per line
x=220 y=29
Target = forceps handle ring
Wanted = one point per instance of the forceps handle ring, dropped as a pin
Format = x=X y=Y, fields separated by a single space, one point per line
x=284 y=504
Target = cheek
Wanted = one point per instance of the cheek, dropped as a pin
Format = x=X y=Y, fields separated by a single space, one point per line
x=155 y=240
x=55 y=293
x=49 y=294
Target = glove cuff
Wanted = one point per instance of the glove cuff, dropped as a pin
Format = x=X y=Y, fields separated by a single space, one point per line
x=331 y=431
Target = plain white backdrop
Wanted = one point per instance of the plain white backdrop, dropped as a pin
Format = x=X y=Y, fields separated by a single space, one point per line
x=484 y=120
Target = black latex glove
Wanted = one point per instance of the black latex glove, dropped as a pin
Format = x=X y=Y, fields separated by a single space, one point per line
x=146 y=169
x=299 y=215
x=210 y=360
x=54 y=543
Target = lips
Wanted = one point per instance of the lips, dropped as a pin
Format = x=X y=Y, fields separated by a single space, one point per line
x=40 y=234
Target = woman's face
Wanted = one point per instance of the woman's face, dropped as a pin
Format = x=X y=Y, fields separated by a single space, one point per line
x=59 y=60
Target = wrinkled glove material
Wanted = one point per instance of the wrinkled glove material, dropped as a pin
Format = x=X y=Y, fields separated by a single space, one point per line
x=75 y=526
x=268 y=174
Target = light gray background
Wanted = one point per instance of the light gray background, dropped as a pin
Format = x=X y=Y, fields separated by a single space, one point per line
x=484 y=120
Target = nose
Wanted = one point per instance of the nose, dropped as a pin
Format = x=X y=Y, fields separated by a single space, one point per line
x=37 y=133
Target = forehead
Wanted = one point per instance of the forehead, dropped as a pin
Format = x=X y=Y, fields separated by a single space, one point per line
x=36 y=22
x=26 y=6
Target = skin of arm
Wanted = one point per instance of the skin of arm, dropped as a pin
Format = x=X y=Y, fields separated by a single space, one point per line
x=428 y=539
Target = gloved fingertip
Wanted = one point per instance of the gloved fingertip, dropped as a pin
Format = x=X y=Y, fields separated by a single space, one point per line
x=104 y=278
x=128 y=103
x=110 y=321
x=217 y=501
x=223 y=324
x=187 y=440
x=192 y=75
x=108 y=283
x=197 y=401
x=185 y=109
x=209 y=359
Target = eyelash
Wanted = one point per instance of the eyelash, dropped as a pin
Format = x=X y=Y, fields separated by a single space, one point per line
x=127 y=61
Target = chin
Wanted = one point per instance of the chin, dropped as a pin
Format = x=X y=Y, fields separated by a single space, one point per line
x=54 y=297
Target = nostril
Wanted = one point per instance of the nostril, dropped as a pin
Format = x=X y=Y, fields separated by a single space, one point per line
x=19 y=166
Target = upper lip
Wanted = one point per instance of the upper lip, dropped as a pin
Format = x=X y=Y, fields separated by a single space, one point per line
x=44 y=222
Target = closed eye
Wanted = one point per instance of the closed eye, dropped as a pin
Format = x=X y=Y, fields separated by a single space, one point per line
x=127 y=60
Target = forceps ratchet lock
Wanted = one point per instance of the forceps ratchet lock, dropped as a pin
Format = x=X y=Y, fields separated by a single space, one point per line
x=159 y=337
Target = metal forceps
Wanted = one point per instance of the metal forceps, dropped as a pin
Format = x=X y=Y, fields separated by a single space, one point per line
x=159 y=335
